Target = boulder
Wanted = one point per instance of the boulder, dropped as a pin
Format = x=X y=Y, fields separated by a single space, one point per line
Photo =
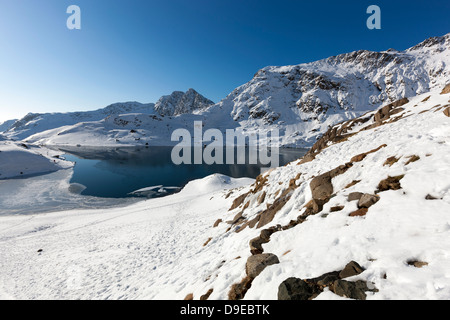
x=350 y=270
x=300 y=289
x=189 y=297
x=238 y=201
x=368 y=200
x=295 y=289
x=353 y=290
x=355 y=196
x=321 y=187
x=257 y=263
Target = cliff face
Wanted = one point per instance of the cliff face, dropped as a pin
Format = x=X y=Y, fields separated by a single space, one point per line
x=181 y=103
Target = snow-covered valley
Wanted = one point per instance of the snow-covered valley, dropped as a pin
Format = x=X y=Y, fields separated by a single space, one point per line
x=364 y=215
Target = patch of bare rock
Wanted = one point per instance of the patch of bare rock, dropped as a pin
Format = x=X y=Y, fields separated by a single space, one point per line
x=308 y=289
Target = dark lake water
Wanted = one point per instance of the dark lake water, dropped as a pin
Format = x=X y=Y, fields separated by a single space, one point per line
x=118 y=172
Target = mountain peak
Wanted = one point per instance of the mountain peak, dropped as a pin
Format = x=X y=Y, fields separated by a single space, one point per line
x=437 y=43
x=179 y=102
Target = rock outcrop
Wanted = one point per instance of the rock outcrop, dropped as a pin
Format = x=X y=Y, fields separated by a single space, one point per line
x=307 y=289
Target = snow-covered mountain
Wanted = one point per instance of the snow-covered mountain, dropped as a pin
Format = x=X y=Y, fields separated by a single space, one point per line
x=364 y=215
x=301 y=101
x=181 y=103
x=175 y=104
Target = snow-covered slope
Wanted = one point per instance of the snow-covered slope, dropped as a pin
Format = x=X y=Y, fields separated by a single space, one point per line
x=35 y=122
x=124 y=129
x=363 y=215
x=174 y=104
x=22 y=160
x=301 y=101
x=6 y=125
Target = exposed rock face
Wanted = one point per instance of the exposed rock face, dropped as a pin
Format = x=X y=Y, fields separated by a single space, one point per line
x=181 y=102
x=216 y=224
x=387 y=111
x=447 y=112
x=446 y=89
x=322 y=187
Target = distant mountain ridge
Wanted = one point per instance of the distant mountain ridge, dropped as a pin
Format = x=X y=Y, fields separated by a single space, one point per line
x=175 y=104
x=301 y=101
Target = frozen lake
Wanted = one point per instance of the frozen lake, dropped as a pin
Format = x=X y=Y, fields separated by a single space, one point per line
x=111 y=177
x=120 y=172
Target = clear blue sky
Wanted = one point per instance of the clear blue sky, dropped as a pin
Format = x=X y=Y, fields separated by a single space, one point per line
x=138 y=50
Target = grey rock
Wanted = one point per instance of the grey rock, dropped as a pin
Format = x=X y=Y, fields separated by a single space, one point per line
x=353 y=290
x=355 y=196
x=350 y=270
x=368 y=200
x=257 y=263
x=297 y=289
x=321 y=187
x=326 y=279
x=256 y=245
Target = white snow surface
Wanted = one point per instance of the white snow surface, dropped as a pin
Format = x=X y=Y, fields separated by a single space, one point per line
x=159 y=248
x=22 y=160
